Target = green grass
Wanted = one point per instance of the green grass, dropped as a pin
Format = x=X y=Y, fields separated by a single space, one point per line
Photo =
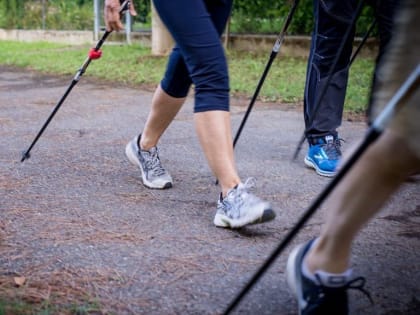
x=20 y=307
x=134 y=65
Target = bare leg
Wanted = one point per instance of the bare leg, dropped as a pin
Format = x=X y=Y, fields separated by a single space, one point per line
x=214 y=132
x=163 y=111
x=379 y=173
x=213 y=129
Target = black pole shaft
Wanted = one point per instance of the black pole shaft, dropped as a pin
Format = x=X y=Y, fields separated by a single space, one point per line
x=363 y=41
x=76 y=79
x=254 y=97
x=372 y=136
x=26 y=154
x=273 y=55
x=80 y=72
x=404 y=92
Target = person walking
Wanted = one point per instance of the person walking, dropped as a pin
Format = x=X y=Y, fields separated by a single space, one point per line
x=322 y=119
x=198 y=58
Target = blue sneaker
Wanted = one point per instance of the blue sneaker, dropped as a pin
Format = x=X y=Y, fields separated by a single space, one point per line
x=326 y=295
x=324 y=155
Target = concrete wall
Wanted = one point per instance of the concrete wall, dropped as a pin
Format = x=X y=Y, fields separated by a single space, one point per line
x=68 y=37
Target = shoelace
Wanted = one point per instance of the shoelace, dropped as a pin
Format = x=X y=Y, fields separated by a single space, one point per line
x=243 y=190
x=354 y=284
x=153 y=163
x=333 y=148
x=239 y=196
x=359 y=284
x=250 y=183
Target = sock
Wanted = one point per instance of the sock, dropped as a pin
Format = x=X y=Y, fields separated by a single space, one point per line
x=328 y=279
x=138 y=141
x=333 y=280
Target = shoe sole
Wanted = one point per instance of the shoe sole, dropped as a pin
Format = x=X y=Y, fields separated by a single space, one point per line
x=293 y=274
x=132 y=157
x=224 y=221
x=312 y=164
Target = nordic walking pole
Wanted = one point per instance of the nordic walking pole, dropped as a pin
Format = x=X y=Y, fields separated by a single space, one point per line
x=378 y=126
x=273 y=55
x=332 y=69
x=363 y=41
x=94 y=53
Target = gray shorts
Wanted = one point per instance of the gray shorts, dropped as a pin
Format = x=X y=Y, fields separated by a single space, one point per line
x=401 y=59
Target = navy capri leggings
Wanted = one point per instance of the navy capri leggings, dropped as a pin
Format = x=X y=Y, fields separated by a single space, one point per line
x=198 y=56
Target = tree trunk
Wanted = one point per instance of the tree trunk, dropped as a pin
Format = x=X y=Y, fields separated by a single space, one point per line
x=162 y=41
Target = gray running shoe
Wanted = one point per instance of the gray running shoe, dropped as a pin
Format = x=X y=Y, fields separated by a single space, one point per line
x=152 y=171
x=240 y=208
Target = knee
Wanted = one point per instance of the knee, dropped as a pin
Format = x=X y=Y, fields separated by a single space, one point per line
x=212 y=90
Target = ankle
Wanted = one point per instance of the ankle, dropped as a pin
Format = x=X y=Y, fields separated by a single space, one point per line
x=226 y=188
x=327 y=257
x=144 y=144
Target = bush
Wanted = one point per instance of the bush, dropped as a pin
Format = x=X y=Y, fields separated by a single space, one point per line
x=264 y=16
x=257 y=16
x=56 y=14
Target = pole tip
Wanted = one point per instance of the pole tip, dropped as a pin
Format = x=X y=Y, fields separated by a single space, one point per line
x=25 y=155
x=299 y=147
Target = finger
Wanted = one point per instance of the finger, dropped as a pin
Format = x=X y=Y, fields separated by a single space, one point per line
x=108 y=18
x=112 y=16
x=132 y=9
x=118 y=26
x=115 y=24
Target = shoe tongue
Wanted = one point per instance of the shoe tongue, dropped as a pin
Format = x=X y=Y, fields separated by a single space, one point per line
x=233 y=190
x=151 y=151
x=334 y=280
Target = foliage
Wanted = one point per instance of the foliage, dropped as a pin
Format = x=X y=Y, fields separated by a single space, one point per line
x=11 y=13
x=55 y=14
x=143 y=10
x=254 y=16
x=248 y=16
x=265 y=16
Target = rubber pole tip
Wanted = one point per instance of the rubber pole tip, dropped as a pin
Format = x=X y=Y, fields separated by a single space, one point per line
x=25 y=155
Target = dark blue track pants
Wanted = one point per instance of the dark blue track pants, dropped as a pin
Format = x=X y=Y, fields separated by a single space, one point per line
x=198 y=56
x=332 y=19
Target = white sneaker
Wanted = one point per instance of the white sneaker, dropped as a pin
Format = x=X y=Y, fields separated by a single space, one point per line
x=240 y=208
x=152 y=172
